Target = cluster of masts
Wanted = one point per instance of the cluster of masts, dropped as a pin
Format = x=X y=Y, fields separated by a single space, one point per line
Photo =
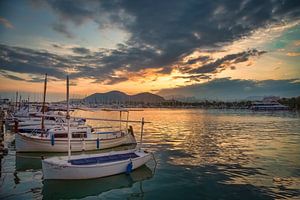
x=46 y=128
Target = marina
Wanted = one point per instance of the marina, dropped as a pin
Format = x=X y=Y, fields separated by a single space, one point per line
x=197 y=152
x=150 y=100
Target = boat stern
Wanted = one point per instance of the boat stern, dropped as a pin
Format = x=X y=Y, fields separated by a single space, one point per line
x=130 y=136
x=52 y=170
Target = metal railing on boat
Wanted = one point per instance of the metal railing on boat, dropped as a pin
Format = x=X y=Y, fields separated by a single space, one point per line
x=99 y=119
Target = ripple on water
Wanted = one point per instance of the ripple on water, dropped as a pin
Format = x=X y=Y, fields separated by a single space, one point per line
x=207 y=154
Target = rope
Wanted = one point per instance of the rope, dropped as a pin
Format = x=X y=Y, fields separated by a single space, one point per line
x=35 y=157
x=24 y=156
x=154 y=162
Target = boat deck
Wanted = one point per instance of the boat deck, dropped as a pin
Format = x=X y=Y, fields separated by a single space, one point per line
x=103 y=159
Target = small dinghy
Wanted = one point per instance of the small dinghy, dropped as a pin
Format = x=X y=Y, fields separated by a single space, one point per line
x=94 y=165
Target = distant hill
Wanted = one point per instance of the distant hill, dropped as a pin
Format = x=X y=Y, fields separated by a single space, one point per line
x=117 y=96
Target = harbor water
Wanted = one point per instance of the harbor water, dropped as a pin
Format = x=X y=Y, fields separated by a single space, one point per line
x=200 y=154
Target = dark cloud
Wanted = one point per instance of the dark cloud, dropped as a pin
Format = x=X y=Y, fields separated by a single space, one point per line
x=115 y=80
x=38 y=62
x=39 y=79
x=226 y=88
x=161 y=31
x=80 y=50
x=196 y=78
x=31 y=78
x=202 y=59
x=165 y=70
x=62 y=28
x=77 y=12
x=73 y=84
x=226 y=61
x=9 y=76
x=23 y=60
x=57 y=46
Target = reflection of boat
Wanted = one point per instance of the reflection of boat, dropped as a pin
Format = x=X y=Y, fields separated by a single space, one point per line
x=27 y=162
x=75 y=189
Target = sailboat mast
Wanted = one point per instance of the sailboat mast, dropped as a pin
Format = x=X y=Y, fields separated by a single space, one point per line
x=142 y=132
x=28 y=103
x=120 y=121
x=16 y=101
x=68 y=121
x=43 y=108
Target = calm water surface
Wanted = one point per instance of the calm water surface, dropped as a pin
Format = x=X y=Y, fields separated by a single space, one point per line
x=201 y=154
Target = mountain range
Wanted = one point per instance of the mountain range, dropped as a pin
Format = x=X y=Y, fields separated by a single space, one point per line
x=117 y=96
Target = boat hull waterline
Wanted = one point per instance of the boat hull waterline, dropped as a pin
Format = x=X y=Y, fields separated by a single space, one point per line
x=60 y=168
x=26 y=143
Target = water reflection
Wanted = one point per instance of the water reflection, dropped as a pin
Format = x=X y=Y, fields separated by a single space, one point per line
x=208 y=154
x=58 y=189
x=27 y=162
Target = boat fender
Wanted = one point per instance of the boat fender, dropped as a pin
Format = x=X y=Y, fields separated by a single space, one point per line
x=129 y=168
x=52 y=140
x=98 y=143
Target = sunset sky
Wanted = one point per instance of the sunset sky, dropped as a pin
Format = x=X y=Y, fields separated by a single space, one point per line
x=202 y=48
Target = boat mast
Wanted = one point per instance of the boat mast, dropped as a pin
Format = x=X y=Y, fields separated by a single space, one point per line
x=43 y=107
x=16 y=101
x=28 y=104
x=142 y=131
x=68 y=121
x=127 y=120
x=20 y=102
x=120 y=120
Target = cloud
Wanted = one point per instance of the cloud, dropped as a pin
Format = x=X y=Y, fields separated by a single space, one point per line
x=38 y=79
x=297 y=43
x=39 y=62
x=62 y=28
x=162 y=32
x=196 y=78
x=114 y=80
x=229 y=89
x=24 y=60
x=226 y=61
x=56 y=46
x=293 y=54
x=77 y=12
x=80 y=50
x=9 y=76
x=6 y=23
x=202 y=59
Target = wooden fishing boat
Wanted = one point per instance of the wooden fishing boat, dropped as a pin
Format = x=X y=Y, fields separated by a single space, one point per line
x=87 y=166
x=94 y=165
x=82 y=140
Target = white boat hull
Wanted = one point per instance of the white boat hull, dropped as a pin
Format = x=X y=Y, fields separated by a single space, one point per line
x=60 y=168
x=27 y=143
